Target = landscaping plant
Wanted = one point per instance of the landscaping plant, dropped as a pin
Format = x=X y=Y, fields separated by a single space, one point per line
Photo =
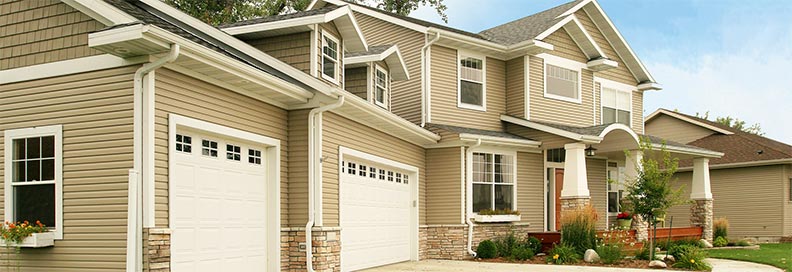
x=644 y=252
x=742 y=243
x=720 y=242
x=487 y=250
x=506 y=244
x=562 y=254
x=534 y=244
x=521 y=254
x=691 y=258
x=578 y=229
x=720 y=228
x=611 y=246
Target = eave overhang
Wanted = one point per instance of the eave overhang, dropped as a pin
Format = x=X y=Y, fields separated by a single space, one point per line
x=391 y=56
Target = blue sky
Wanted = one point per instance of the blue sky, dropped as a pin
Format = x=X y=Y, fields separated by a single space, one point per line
x=726 y=57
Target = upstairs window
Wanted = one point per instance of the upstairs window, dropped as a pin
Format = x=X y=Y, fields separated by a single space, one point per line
x=493 y=182
x=381 y=85
x=34 y=176
x=616 y=106
x=562 y=83
x=330 y=57
x=472 y=94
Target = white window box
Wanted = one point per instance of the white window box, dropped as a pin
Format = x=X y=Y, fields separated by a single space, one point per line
x=44 y=239
x=497 y=218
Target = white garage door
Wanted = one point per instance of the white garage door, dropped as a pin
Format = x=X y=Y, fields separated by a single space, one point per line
x=375 y=215
x=218 y=204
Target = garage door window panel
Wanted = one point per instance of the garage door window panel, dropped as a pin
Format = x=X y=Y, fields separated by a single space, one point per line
x=183 y=143
x=209 y=148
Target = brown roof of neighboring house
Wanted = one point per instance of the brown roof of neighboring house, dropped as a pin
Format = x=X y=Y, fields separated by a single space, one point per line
x=739 y=147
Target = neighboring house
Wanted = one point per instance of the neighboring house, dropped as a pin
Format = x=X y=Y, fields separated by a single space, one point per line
x=751 y=183
x=147 y=139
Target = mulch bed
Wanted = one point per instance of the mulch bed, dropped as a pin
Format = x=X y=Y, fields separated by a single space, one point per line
x=627 y=263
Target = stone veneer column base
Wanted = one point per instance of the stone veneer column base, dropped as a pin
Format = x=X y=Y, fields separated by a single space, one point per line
x=326 y=249
x=449 y=242
x=156 y=251
x=641 y=228
x=701 y=214
x=571 y=204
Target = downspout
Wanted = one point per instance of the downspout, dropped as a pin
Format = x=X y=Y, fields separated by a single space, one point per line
x=469 y=189
x=315 y=171
x=425 y=81
x=134 y=257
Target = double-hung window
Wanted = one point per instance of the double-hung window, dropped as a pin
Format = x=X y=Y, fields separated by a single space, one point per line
x=472 y=91
x=562 y=83
x=615 y=188
x=493 y=181
x=616 y=106
x=381 y=85
x=330 y=56
x=33 y=179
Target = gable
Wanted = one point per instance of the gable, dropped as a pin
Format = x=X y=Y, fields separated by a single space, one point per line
x=43 y=31
x=671 y=128
x=621 y=73
x=564 y=46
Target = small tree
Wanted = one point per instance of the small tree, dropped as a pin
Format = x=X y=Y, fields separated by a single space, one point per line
x=651 y=194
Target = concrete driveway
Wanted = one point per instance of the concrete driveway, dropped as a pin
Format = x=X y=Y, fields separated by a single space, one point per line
x=469 y=266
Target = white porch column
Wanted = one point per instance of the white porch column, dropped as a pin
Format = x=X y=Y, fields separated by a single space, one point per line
x=575 y=180
x=701 y=211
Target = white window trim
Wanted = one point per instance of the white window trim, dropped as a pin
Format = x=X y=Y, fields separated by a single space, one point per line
x=10 y=135
x=566 y=64
x=621 y=87
x=386 y=88
x=483 y=107
x=499 y=151
x=619 y=182
x=338 y=57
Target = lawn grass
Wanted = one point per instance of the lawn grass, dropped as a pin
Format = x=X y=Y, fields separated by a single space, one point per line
x=778 y=255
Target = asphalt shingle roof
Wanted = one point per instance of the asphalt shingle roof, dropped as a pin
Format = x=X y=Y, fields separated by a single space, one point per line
x=282 y=17
x=527 y=28
x=460 y=130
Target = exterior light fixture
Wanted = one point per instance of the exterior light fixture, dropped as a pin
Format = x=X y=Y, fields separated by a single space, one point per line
x=591 y=151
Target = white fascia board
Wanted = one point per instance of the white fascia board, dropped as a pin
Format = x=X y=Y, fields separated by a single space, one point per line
x=373 y=13
x=101 y=11
x=391 y=55
x=470 y=137
x=252 y=28
x=445 y=34
x=250 y=73
x=688 y=151
x=575 y=8
x=687 y=119
x=742 y=164
x=67 y=67
x=551 y=130
x=370 y=109
x=554 y=28
x=650 y=86
x=347 y=20
x=244 y=47
x=573 y=26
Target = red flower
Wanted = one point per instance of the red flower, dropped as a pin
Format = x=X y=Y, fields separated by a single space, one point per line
x=623 y=215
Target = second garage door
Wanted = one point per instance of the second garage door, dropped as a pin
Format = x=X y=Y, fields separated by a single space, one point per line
x=376 y=210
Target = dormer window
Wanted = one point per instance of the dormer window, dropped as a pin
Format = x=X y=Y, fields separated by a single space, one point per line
x=472 y=92
x=381 y=86
x=330 y=57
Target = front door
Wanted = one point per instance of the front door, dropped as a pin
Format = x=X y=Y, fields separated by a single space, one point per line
x=559 y=185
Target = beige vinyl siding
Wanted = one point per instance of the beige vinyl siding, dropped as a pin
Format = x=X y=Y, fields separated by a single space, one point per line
x=530 y=189
x=549 y=141
x=620 y=73
x=565 y=47
x=748 y=197
x=551 y=110
x=515 y=87
x=294 y=49
x=340 y=131
x=788 y=202
x=190 y=97
x=673 y=129
x=95 y=110
x=329 y=28
x=356 y=81
x=444 y=88
x=445 y=135
x=41 y=31
x=444 y=187
x=406 y=95
x=637 y=112
x=298 y=168
x=596 y=172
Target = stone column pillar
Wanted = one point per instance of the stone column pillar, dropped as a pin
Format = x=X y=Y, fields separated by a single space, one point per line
x=632 y=169
x=701 y=213
x=575 y=193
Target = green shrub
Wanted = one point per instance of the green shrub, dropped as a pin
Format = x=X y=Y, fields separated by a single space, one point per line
x=720 y=242
x=562 y=254
x=742 y=243
x=534 y=244
x=643 y=253
x=720 y=228
x=679 y=250
x=487 y=250
x=611 y=253
x=692 y=258
x=522 y=254
x=578 y=229
x=506 y=244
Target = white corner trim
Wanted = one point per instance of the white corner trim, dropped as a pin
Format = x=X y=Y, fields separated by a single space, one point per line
x=10 y=135
x=101 y=11
x=273 y=175
x=66 y=67
x=527 y=86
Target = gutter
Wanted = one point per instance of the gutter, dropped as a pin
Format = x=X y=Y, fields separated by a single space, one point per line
x=424 y=81
x=143 y=157
x=469 y=208
x=741 y=164
x=315 y=173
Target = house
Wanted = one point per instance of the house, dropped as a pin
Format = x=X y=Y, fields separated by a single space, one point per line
x=148 y=140
x=751 y=183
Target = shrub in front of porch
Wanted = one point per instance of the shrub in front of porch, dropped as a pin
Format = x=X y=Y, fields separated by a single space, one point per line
x=720 y=228
x=562 y=254
x=579 y=229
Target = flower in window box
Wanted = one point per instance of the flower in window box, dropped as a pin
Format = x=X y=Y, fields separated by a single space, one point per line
x=15 y=233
